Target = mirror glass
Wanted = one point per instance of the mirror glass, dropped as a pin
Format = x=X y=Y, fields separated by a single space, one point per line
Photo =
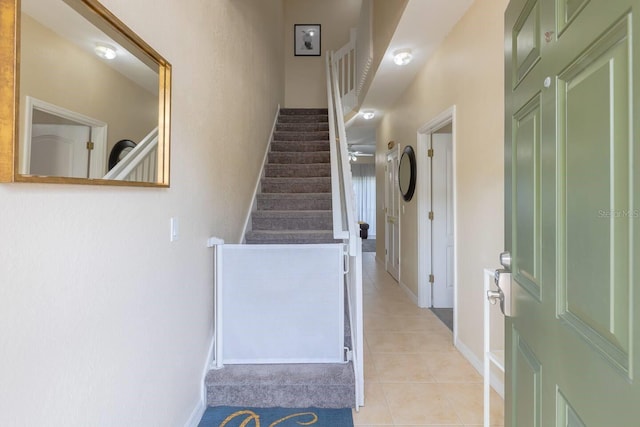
x=407 y=173
x=86 y=83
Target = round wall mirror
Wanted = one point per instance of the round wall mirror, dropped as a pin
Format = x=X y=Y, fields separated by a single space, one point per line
x=407 y=173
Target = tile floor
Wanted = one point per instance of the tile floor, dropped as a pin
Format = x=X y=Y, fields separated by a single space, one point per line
x=414 y=376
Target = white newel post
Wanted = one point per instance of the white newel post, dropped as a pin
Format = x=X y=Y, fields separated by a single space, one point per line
x=217 y=244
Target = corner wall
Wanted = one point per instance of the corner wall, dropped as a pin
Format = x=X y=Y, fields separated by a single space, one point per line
x=466 y=71
x=103 y=321
x=305 y=77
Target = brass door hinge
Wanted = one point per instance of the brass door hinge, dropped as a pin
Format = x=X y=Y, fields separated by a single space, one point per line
x=90 y=145
x=431 y=278
x=431 y=215
x=430 y=152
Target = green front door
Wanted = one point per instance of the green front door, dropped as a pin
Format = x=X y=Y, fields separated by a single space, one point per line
x=572 y=103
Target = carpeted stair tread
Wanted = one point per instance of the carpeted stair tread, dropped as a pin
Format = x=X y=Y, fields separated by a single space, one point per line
x=319 y=118
x=303 y=157
x=298 y=146
x=310 y=170
x=292 y=220
x=303 y=111
x=300 y=385
x=290 y=237
x=294 y=201
x=315 y=126
x=296 y=185
x=301 y=136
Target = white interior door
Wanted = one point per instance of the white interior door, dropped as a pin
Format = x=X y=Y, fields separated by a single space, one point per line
x=60 y=150
x=442 y=223
x=392 y=210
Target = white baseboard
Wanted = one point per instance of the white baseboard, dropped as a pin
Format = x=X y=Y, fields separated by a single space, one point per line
x=495 y=381
x=201 y=406
x=409 y=292
x=197 y=414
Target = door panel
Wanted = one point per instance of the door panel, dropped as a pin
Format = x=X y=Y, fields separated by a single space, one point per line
x=60 y=150
x=392 y=217
x=526 y=41
x=526 y=380
x=572 y=221
x=526 y=173
x=442 y=245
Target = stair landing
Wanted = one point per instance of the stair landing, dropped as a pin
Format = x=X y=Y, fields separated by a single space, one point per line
x=289 y=386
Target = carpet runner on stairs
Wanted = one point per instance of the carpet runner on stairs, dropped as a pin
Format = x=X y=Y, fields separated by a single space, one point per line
x=294 y=205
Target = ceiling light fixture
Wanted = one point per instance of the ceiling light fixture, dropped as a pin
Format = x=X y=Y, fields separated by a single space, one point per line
x=105 y=51
x=368 y=115
x=402 y=56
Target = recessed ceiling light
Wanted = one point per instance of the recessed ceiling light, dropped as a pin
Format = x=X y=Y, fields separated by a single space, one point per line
x=368 y=115
x=402 y=56
x=105 y=51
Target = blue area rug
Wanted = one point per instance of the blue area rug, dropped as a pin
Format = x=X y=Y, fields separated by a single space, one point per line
x=230 y=416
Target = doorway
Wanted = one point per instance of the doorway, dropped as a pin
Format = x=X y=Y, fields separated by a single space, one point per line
x=392 y=215
x=436 y=218
x=60 y=142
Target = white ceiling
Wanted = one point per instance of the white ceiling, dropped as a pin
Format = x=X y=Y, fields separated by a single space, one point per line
x=423 y=27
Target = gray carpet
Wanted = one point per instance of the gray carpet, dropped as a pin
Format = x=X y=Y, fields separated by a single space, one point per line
x=294 y=203
x=368 y=245
x=445 y=315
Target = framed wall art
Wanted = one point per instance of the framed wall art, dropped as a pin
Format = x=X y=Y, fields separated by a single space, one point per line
x=306 y=39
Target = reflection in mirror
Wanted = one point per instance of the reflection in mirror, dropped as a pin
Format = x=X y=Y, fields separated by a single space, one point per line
x=407 y=173
x=86 y=82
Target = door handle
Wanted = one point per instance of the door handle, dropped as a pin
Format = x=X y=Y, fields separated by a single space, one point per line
x=495 y=296
x=502 y=279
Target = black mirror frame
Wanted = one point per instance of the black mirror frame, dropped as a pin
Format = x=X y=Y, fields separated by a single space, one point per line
x=411 y=156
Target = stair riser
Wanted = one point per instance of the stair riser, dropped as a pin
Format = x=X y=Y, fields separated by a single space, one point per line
x=300 y=158
x=296 y=146
x=302 y=127
x=293 y=204
x=297 y=171
x=301 y=136
x=253 y=238
x=292 y=396
x=292 y=185
x=304 y=119
x=293 y=223
x=303 y=111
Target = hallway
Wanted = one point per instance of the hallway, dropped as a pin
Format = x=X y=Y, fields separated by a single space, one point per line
x=413 y=373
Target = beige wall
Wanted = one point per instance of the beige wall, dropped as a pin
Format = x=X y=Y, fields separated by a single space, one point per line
x=467 y=71
x=103 y=321
x=82 y=83
x=386 y=16
x=305 y=75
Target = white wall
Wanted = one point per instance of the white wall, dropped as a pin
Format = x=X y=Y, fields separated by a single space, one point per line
x=466 y=71
x=103 y=321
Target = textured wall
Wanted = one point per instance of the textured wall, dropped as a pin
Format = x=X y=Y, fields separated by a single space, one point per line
x=466 y=71
x=103 y=321
x=305 y=76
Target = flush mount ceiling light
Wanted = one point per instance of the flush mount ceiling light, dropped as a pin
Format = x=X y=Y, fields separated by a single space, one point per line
x=368 y=115
x=402 y=56
x=105 y=51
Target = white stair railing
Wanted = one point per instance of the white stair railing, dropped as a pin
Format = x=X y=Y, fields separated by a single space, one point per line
x=344 y=217
x=140 y=164
x=344 y=60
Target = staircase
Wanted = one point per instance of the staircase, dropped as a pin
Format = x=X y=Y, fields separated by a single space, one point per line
x=294 y=205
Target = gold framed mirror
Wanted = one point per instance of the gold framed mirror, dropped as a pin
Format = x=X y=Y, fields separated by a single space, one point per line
x=83 y=99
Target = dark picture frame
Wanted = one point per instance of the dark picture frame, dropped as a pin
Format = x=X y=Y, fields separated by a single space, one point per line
x=307 y=40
